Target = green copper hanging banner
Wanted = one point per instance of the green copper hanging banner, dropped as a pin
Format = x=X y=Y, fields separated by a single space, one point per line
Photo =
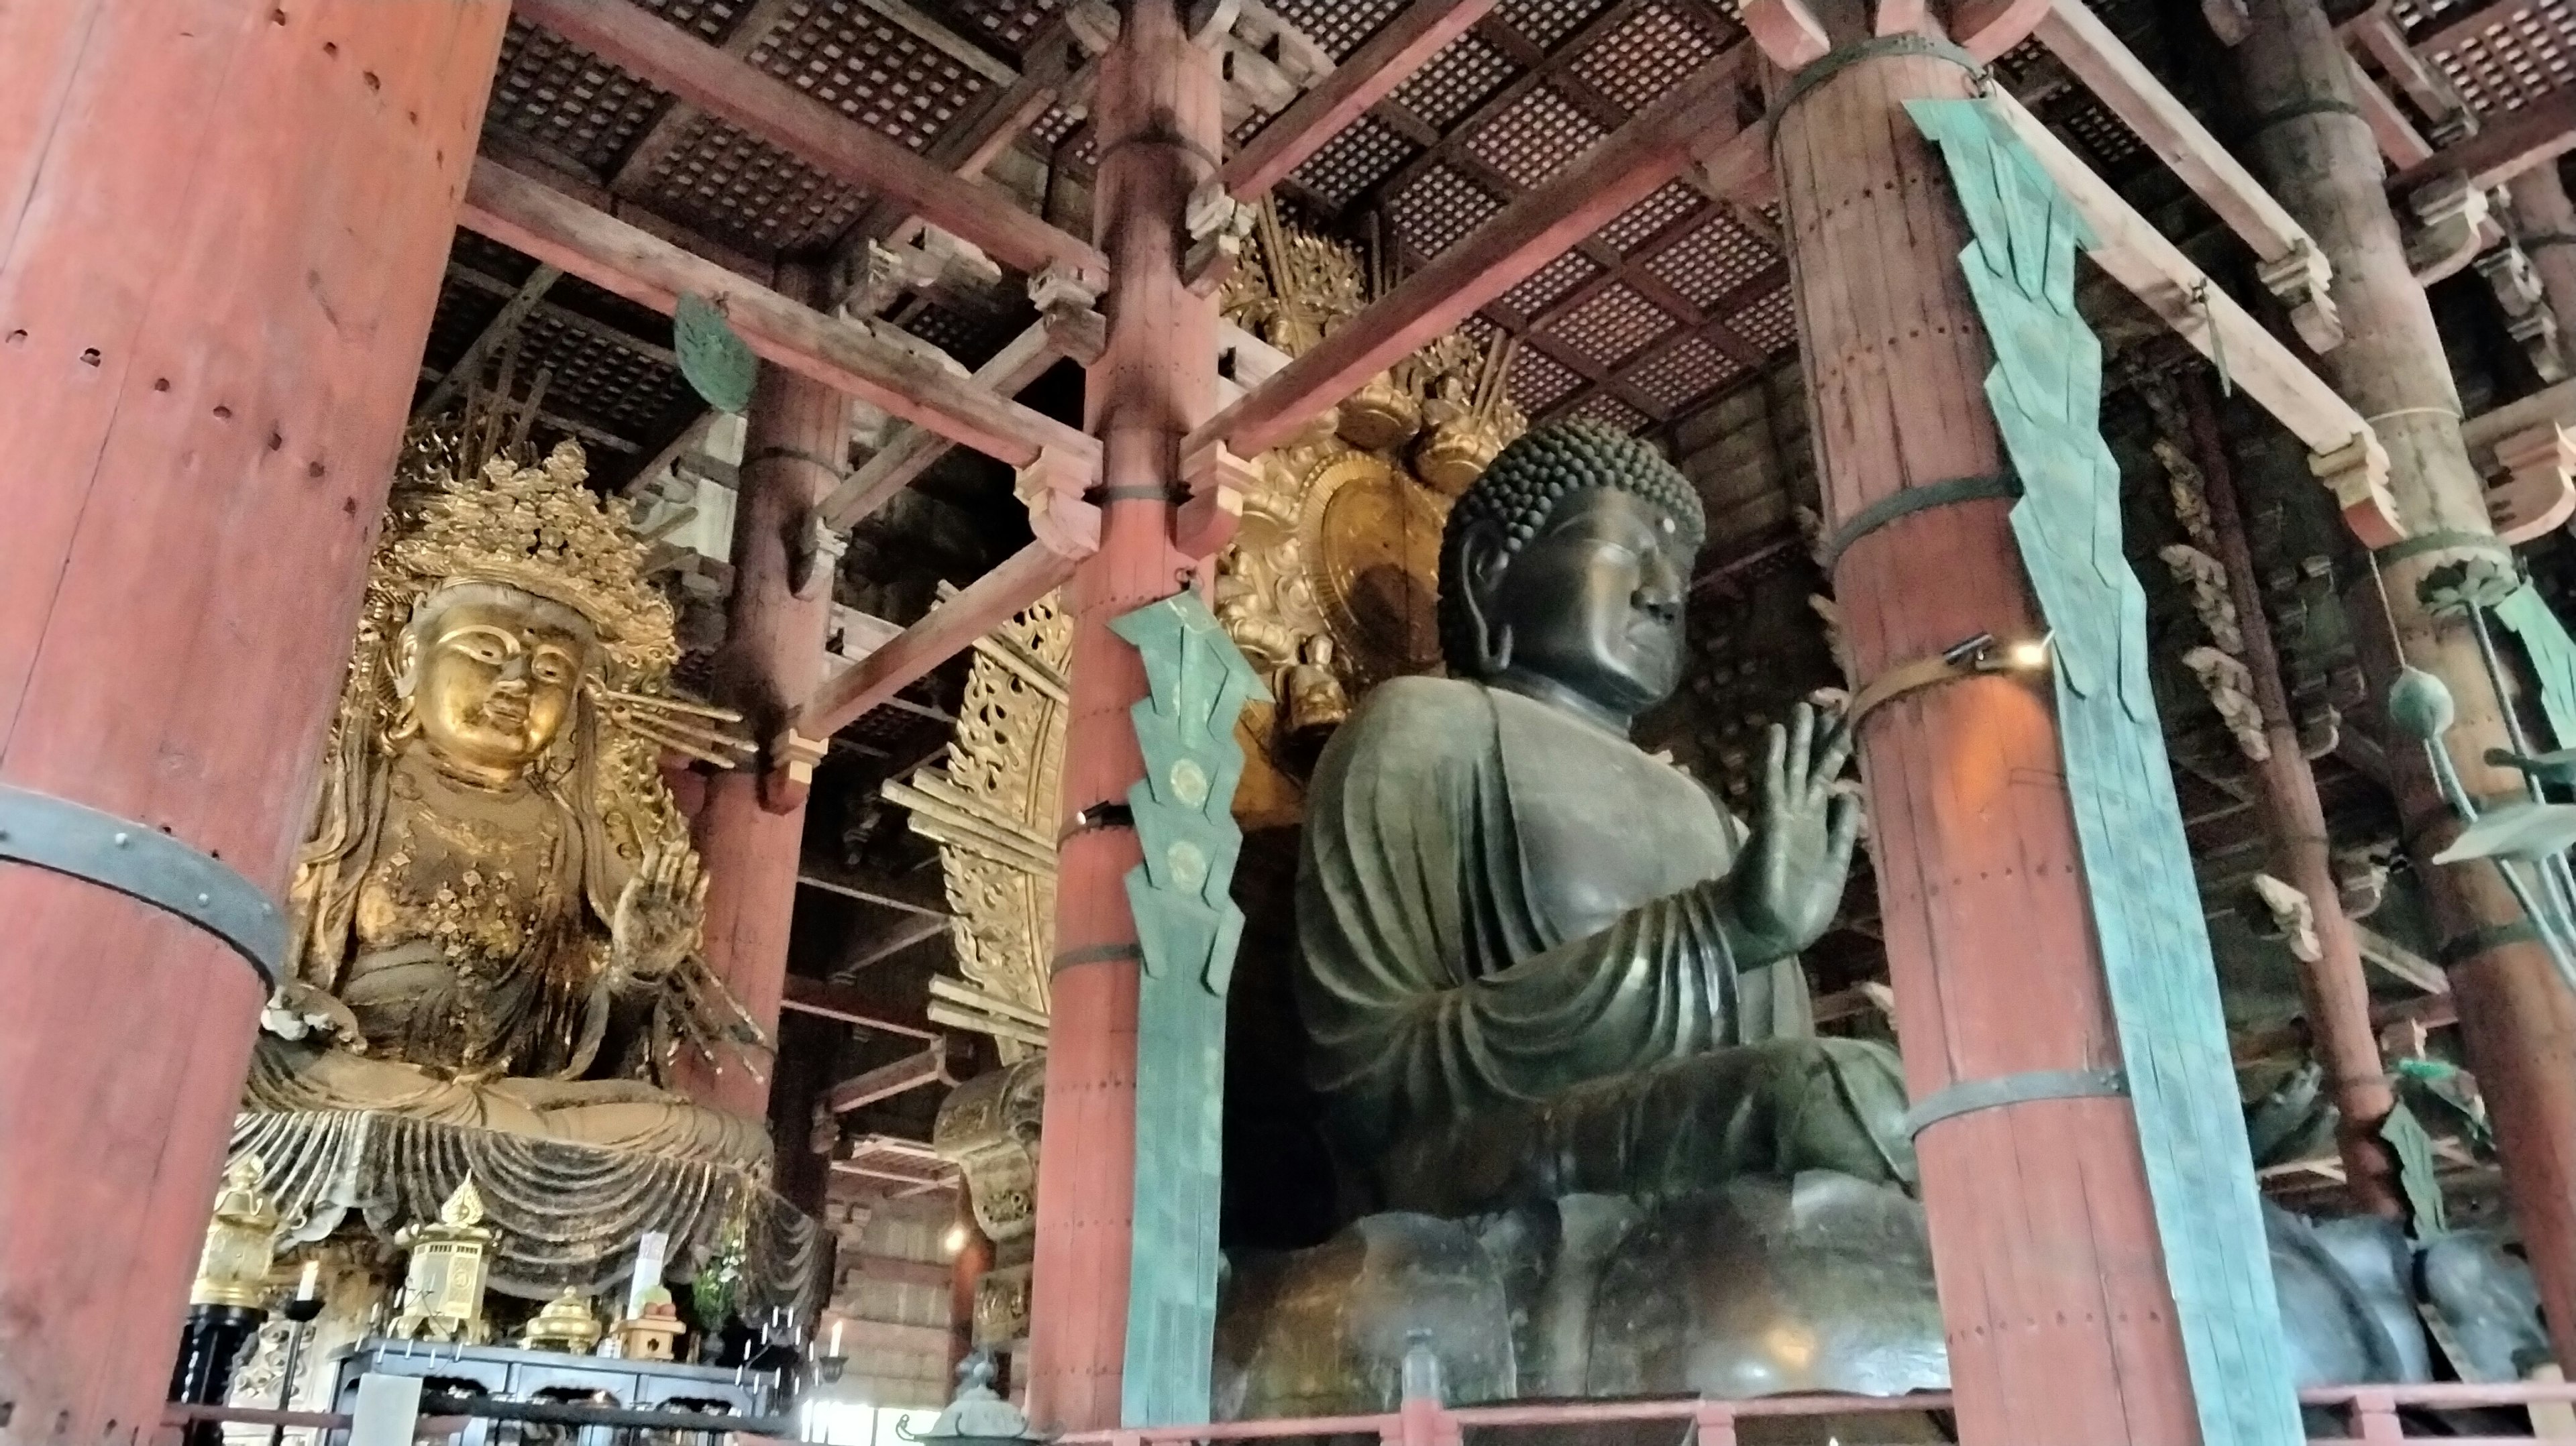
x=2553 y=658
x=2046 y=388
x=1188 y=927
x=716 y=361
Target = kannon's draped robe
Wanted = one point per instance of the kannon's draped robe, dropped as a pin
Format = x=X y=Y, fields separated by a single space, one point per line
x=1517 y=976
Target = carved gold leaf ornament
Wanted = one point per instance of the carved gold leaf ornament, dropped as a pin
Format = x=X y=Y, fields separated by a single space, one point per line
x=1328 y=589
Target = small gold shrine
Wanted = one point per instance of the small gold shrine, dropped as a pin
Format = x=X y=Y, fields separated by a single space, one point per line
x=442 y=1294
x=241 y=1241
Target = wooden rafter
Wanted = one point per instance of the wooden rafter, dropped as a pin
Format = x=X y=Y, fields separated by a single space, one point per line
x=851 y=1006
x=609 y=253
x=948 y=629
x=496 y=333
x=1696 y=118
x=644 y=160
x=911 y=450
x=663 y=54
x=1372 y=72
x=911 y=1072
x=557 y=312
x=2505 y=148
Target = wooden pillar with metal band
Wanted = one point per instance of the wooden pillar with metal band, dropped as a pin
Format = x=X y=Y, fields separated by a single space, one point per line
x=2517 y=1021
x=227 y=226
x=1160 y=137
x=2060 y=1321
x=795 y=451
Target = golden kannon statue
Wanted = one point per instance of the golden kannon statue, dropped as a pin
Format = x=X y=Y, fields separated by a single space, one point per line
x=496 y=912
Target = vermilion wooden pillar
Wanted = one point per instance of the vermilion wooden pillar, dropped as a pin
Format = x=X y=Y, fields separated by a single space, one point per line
x=2059 y=1321
x=222 y=225
x=2544 y=222
x=2517 y=1021
x=1160 y=136
x=795 y=449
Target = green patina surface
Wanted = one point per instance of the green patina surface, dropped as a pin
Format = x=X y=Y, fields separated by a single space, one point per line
x=2046 y=388
x=714 y=359
x=2553 y=658
x=1188 y=927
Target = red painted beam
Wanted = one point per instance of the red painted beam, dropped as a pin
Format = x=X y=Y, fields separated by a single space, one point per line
x=849 y=1006
x=632 y=38
x=1696 y=118
x=2504 y=149
x=599 y=248
x=1399 y=48
x=1030 y=574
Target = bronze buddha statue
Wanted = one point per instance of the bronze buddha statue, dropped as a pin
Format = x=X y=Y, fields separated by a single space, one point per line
x=1537 y=961
x=496 y=913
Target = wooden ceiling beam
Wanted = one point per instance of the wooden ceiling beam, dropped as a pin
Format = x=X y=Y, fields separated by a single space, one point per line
x=849 y=1005
x=495 y=334
x=911 y=1072
x=2398 y=139
x=663 y=54
x=911 y=450
x=644 y=159
x=1382 y=62
x=559 y=231
x=2504 y=148
x=948 y=629
x=1694 y=119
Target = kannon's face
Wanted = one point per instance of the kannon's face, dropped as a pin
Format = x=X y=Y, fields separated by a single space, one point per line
x=1594 y=601
x=494 y=674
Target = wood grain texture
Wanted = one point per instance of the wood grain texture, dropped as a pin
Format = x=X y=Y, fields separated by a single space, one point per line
x=2517 y=1021
x=222 y=224
x=2059 y=1321
x=1157 y=112
x=795 y=438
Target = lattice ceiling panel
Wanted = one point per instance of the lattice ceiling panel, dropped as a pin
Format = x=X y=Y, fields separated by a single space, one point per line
x=1337 y=25
x=971 y=336
x=1539 y=381
x=595 y=381
x=1052 y=127
x=1651 y=215
x=1614 y=325
x=560 y=96
x=1550 y=283
x=1438 y=208
x=2105 y=139
x=1712 y=261
x=2523 y=53
x=1459 y=78
x=1534 y=136
x=478 y=252
x=1011 y=22
x=1643 y=56
x=726 y=182
x=463 y=312
x=1365 y=153
x=1545 y=22
x=2415 y=15
x=1683 y=372
x=870 y=69
x=1610 y=412
x=1771 y=323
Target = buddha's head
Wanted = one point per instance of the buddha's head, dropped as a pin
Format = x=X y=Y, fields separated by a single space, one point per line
x=1565 y=568
x=490 y=673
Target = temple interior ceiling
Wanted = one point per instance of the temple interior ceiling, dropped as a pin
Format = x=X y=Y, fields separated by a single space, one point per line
x=1672 y=322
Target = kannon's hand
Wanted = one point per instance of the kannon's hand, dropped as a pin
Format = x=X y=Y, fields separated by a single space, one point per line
x=1791 y=877
x=658 y=912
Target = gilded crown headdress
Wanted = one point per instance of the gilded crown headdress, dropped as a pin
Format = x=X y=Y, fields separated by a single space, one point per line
x=538 y=529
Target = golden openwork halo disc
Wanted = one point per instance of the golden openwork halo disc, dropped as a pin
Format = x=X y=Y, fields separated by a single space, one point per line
x=1372 y=534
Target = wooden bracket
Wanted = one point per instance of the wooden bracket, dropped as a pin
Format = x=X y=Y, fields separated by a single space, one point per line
x=1218 y=481
x=1988 y=28
x=2228 y=20
x=1060 y=285
x=789 y=772
x=2526 y=310
x=1053 y=488
x=1789 y=34
x=1068 y=304
x=2453 y=224
x=1093 y=24
x=1897 y=17
x=1209 y=22
x=2538 y=490
x=1218 y=226
x=2302 y=281
x=2357 y=474
x=814 y=550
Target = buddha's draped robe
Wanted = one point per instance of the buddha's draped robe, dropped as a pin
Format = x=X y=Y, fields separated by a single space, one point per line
x=1517 y=978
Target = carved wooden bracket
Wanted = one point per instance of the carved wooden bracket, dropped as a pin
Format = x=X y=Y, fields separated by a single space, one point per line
x=814 y=550
x=2526 y=310
x=788 y=772
x=1218 y=481
x=1068 y=304
x=2301 y=281
x=2538 y=490
x=1218 y=226
x=2454 y=223
x=1053 y=488
x=2357 y=474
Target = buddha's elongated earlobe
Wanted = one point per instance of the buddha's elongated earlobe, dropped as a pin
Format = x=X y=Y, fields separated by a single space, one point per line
x=1483 y=562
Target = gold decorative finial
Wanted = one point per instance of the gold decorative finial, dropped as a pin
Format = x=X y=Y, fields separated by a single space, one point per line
x=241 y=1241
x=464 y=1206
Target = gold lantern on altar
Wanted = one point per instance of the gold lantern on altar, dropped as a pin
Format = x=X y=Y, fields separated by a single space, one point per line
x=241 y=1241
x=442 y=1294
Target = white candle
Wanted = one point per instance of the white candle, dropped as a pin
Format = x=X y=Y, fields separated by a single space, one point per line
x=836 y=1339
x=309 y=1286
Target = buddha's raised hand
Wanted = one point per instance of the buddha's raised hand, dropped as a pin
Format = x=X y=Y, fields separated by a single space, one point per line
x=658 y=913
x=1790 y=879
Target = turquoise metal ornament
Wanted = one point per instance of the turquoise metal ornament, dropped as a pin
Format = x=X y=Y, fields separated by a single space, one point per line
x=716 y=361
x=2046 y=388
x=1187 y=927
